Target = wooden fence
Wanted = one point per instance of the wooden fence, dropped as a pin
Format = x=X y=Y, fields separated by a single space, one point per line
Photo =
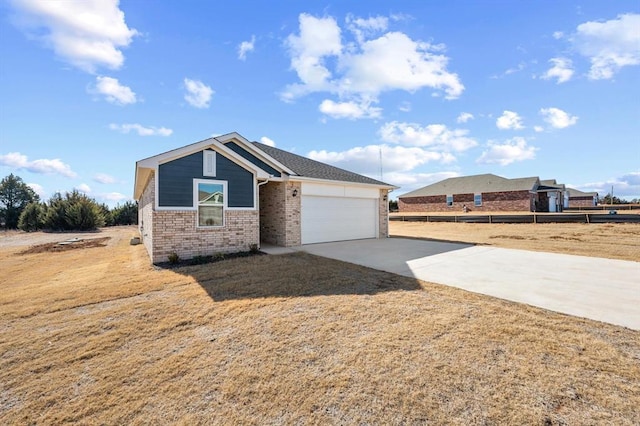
x=523 y=218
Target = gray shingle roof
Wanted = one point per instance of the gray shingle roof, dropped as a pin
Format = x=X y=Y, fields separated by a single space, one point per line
x=307 y=167
x=474 y=184
x=577 y=193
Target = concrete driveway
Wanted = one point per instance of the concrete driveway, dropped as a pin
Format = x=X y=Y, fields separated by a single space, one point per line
x=601 y=289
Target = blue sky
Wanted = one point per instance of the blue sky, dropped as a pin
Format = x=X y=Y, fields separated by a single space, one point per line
x=411 y=92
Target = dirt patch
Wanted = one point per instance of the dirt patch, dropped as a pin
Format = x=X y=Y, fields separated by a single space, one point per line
x=72 y=244
x=611 y=241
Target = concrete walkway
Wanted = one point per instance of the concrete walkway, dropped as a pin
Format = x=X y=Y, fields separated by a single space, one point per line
x=601 y=289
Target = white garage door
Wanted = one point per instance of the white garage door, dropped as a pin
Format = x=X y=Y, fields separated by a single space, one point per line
x=327 y=219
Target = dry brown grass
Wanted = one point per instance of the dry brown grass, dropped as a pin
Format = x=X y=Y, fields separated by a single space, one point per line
x=612 y=241
x=97 y=336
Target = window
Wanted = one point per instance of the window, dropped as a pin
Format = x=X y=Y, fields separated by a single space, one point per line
x=449 y=200
x=210 y=196
x=209 y=163
x=477 y=200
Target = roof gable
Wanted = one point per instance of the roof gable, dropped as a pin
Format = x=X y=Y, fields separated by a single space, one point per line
x=146 y=166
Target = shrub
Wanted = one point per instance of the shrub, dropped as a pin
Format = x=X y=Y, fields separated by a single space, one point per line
x=74 y=211
x=173 y=258
x=32 y=217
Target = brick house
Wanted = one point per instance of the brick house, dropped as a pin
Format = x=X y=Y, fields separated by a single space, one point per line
x=485 y=193
x=226 y=194
x=582 y=199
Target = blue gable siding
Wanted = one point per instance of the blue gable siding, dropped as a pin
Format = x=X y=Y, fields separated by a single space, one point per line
x=175 y=181
x=252 y=158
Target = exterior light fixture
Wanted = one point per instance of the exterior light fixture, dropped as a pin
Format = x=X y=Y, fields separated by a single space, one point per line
x=294 y=193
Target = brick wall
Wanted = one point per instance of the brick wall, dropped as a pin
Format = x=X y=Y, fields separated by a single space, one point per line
x=280 y=213
x=272 y=213
x=493 y=201
x=383 y=214
x=145 y=214
x=175 y=231
x=581 y=201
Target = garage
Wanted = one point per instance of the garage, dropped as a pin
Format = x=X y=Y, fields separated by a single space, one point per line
x=337 y=213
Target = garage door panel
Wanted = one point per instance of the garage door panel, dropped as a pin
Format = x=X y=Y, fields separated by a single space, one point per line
x=327 y=219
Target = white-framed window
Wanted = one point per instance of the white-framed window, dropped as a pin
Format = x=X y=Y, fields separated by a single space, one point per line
x=449 y=200
x=208 y=163
x=477 y=200
x=210 y=198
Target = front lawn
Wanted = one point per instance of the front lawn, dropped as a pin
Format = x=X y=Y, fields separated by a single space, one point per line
x=98 y=336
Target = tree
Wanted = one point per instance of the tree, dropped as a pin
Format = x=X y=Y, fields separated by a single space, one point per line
x=14 y=197
x=32 y=217
x=607 y=200
x=127 y=214
x=107 y=214
x=74 y=211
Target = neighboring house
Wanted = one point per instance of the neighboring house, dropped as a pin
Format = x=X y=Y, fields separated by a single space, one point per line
x=483 y=193
x=578 y=198
x=226 y=194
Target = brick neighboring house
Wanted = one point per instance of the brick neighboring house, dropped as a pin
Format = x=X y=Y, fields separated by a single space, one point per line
x=485 y=193
x=226 y=194
x=578 y=198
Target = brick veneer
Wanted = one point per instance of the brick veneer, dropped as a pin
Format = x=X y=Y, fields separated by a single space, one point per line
x=167 y=231
x=145 y=214
x=176 y=231
x=383 y=214
x=581 y=201
x=492 y=201
x=280 y=213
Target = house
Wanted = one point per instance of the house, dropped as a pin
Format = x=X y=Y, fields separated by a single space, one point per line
x=485 y=193
x=227 y=194
x=578 y=198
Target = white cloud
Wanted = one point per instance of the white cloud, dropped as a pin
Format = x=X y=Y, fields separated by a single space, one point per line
x=267 y=141
x=562 y=70
x=464 y=117
x=38 y=189
x=395 y=61
x=104 y=178
x=509 y=152
x=557 y=118
x=113 y=197
x=84 y=188
x=198 y=94
x=558 y=35
x=625 y=186
x=246 y=47
x=509 y=120
x=86 y=34
x=538 y=129
x=141 y=130
x=366 y=159
x=350 y=110
x=113 y=91
x=46 y=166
x=362 y=28
x=359 y=70
x=609 y=45
x=319 y=37
x=411 y=181
x=436 y=136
